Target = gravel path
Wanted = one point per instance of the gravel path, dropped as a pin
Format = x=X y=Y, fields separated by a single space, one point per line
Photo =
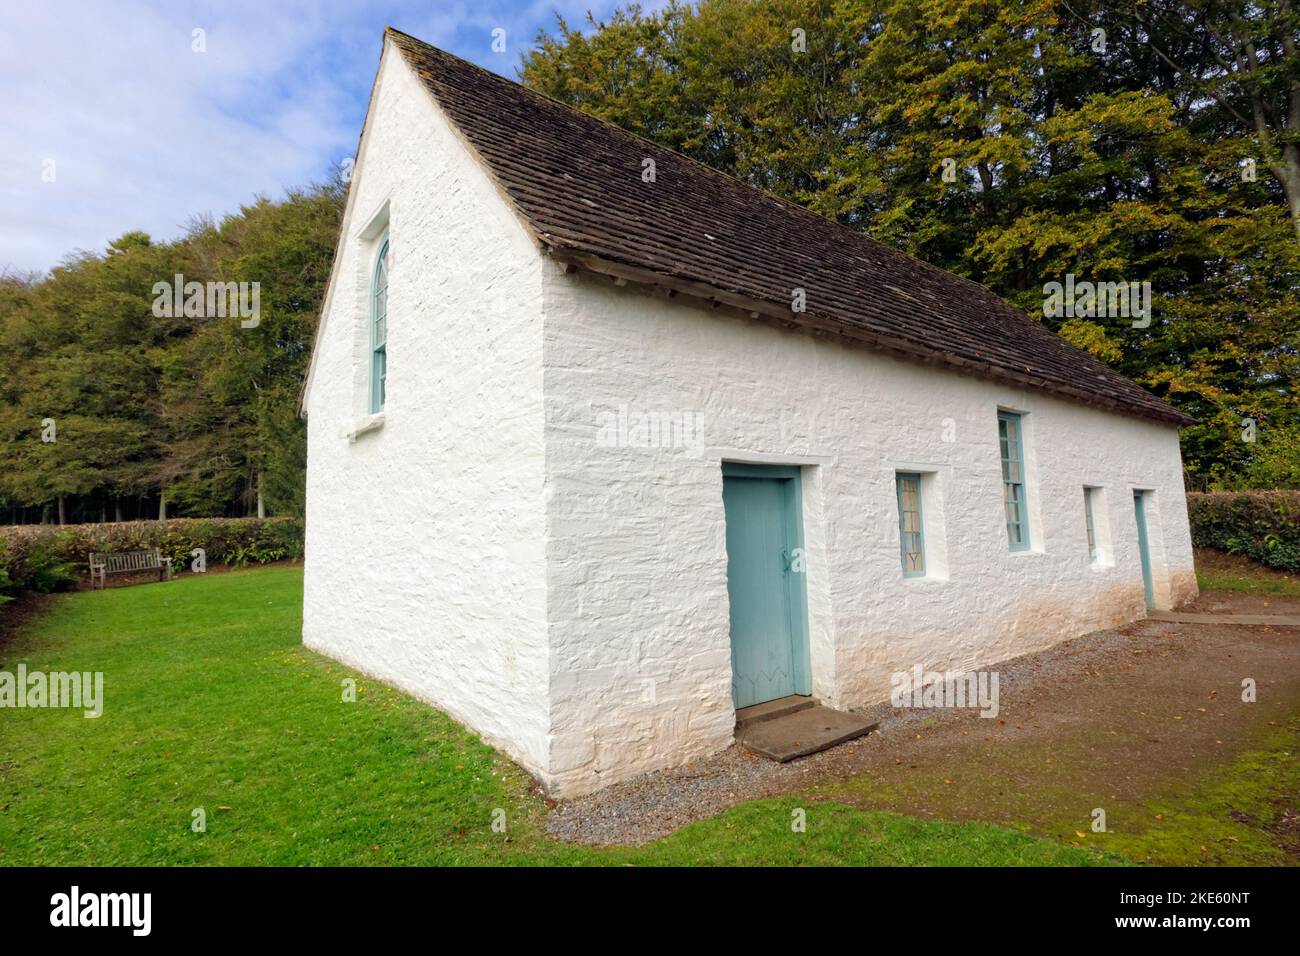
x=1084 y=687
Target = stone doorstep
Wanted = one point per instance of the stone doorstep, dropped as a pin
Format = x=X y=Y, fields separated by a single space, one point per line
x=805 y=731
x=769 y=710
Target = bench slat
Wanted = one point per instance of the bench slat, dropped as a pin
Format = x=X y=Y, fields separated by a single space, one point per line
x=124 y=561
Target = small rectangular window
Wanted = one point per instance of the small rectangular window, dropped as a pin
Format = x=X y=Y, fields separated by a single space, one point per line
x=911 y=525
x=379 y=329
x=1011 y=440
x=1092 y=531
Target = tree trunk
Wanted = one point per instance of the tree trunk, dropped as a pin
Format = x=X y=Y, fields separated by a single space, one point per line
x=261 y=505
x=1291 y=183
x=162 y=504
x=117 y=508
x=1234 y=50
x=61 y=512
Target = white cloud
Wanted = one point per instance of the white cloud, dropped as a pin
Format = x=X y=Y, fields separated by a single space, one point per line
x=144 y=133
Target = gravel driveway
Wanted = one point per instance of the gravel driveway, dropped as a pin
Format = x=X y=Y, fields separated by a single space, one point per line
x=1111 y=716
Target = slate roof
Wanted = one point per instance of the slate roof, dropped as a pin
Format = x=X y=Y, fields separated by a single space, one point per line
x=576 y=182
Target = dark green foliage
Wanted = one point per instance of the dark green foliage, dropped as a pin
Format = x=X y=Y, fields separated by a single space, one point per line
x=35 y=563
x=201 y=409
x=1263 y=525
x=1118 y=161
x=1112 y=159
x=51 y=558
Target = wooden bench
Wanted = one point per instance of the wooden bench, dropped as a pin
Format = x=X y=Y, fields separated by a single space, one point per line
x=124 y=562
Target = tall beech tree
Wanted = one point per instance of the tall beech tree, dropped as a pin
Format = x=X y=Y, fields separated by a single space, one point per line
x=1016 y=142
x=197 y=411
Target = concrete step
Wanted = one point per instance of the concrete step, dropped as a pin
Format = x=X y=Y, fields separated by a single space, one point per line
x=771 y=709
x=808 y=730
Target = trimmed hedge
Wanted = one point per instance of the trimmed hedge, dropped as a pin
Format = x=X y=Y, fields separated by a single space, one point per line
x=1263 y=525
x=55 y=557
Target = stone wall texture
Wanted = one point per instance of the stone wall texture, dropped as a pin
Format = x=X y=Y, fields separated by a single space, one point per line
x=495 y=548
x=425 y=540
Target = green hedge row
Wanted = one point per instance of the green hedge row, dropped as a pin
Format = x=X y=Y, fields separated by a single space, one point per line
x=1263 y=525
x=54 y=557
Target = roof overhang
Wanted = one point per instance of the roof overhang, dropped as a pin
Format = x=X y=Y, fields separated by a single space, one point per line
x=780 y=315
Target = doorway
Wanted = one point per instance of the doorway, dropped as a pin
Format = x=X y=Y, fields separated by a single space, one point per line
x=766 y=572
x=1144 y=550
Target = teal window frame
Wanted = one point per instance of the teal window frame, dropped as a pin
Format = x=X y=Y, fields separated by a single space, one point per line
x=1088 y=494
x=916 y=568
x=379 y=329
x=1015 y=499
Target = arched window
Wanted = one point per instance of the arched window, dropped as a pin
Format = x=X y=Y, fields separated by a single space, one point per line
x=379 y=328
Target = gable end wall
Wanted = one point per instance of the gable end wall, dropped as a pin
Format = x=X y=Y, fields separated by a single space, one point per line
x=424 y=558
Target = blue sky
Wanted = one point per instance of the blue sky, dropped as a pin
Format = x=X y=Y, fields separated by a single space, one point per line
x=112 y=122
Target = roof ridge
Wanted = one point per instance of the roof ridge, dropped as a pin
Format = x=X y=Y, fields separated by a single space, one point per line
x=559 y=168
x=619 y=129
x=705 y=167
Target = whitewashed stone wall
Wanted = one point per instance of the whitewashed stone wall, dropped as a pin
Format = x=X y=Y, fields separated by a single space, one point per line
x=636 y=554
x=486 y=548
x=425 y=536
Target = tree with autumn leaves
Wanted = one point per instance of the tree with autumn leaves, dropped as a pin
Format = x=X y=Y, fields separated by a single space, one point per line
x=1015 y=142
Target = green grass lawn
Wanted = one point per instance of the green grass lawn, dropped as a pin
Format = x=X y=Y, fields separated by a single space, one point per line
x=211 y=702
x=1236 y=816
x=1216 y=571
x=1226 y=580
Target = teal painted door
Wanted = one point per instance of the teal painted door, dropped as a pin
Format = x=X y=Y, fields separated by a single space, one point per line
x=765 y=570
x=1139 y=508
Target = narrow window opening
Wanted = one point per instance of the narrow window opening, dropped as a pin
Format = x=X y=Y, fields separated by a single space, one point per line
x=911 y=525
x=1011 y=442
x=379 y=329
x=1088 y=494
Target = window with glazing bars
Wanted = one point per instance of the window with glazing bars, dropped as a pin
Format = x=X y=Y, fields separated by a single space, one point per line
x=379 y=329
x=1011 y=440
x=1092 y=531
x=911 y=525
